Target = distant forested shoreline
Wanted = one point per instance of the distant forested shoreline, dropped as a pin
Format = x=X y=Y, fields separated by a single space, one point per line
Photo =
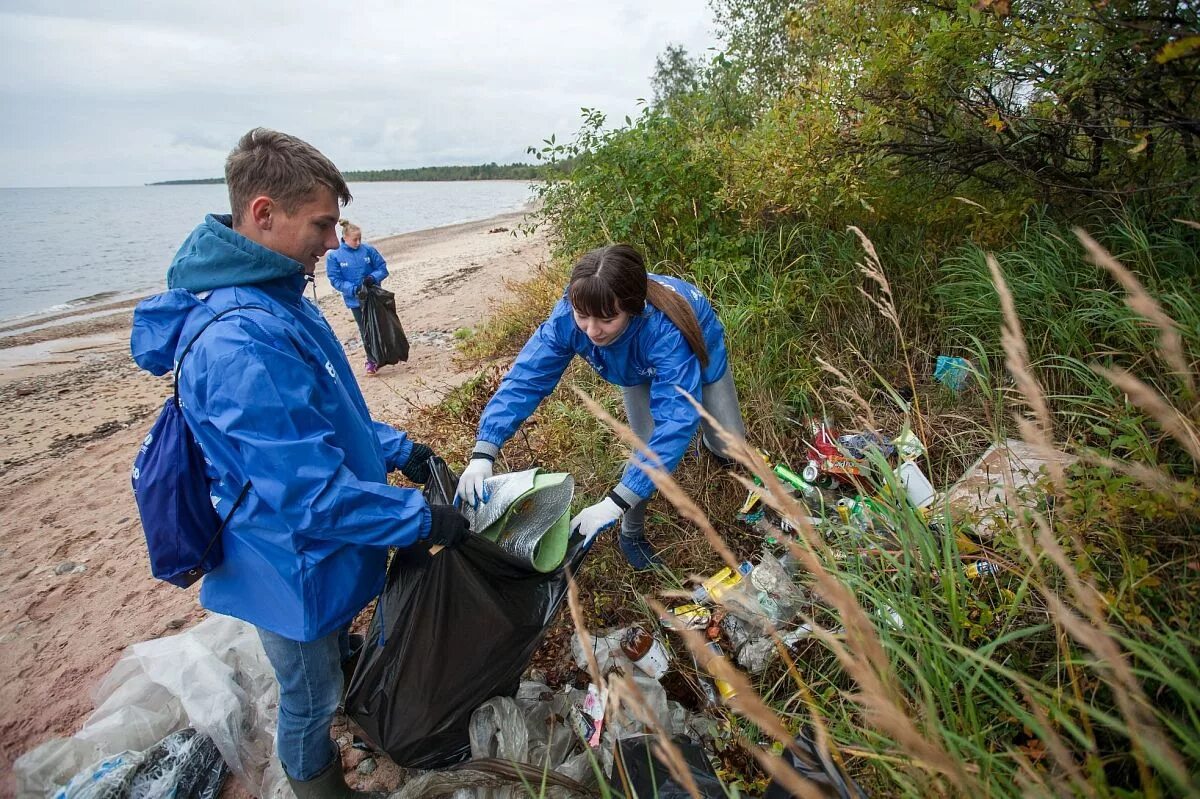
x=477 y=172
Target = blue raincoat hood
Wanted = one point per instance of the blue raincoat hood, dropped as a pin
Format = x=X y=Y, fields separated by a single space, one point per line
x=216 y=255
x=213 y=256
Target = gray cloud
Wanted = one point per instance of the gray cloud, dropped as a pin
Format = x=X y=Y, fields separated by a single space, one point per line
x=129 y=92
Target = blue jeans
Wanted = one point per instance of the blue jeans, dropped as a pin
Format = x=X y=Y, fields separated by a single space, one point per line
x=310 y=687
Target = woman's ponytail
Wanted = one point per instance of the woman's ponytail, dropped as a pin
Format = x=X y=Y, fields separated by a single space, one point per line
x=680 y=312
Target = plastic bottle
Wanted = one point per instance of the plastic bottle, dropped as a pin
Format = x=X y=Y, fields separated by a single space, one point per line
x=726 y=690
x=916 y=485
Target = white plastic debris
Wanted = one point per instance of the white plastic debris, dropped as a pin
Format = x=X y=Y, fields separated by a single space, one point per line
x=214 y=677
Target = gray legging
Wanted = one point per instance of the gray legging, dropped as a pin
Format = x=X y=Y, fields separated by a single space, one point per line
x=719 y=399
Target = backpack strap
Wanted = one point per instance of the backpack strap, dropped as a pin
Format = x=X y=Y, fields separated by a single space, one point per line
x=175 y=381
x=205 y=326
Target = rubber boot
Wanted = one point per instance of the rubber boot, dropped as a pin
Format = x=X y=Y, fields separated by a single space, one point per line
x=638 y=552
x=330 y=783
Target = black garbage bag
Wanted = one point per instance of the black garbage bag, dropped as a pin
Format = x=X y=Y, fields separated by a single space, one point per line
x=383 y=335
x=817 y=767
x=450 y=632
x=649 y=778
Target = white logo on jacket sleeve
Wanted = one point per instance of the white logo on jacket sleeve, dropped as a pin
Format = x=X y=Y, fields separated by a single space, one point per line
x=329 y=368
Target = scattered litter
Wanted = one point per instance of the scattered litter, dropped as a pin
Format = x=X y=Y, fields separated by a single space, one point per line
x=716 y=586
x=981 y=489
x=980 y=568
x=857 y=445
x=890 y=617
x=588 y=717
x=916 y=485
x=692 y=616
x=951 y=371
x=646 y=652
x=816 y=766
x=184 y=764
x=712 y=659
x=909 y=446
x=214 y=678
x=648 y=777
x=754 y=656
x=69 y=567
x=606 y=648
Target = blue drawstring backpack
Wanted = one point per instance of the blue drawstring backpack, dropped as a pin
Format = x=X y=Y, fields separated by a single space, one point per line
x=170 y=485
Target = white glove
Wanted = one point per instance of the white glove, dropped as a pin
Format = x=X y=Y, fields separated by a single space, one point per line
x=471 y=490
x=597 y=518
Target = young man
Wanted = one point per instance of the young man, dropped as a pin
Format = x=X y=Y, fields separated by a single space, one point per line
x=270 y=398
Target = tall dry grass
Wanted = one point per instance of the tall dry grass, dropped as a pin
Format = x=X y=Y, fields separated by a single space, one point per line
x=1064 y=680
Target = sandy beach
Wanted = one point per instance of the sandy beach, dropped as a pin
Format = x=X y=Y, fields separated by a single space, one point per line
x=75 y=585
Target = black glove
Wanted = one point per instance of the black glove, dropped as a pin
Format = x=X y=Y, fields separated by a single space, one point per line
x=448 y=527
x=368 y=281
x=417 y=468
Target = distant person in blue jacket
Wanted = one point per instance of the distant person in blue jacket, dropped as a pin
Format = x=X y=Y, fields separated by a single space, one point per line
x=272 y=401
x=351 y=266
x=646 y=333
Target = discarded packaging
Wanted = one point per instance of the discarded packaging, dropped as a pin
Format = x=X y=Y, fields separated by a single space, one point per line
x=692 y=616
x=646 y=652
x=982 y=489
x=980 y=569
x=735 y=630
x=588 y=718
x=648 y=777
x=909 y=446
x=184 y=764
x=857 y=445
x=213 y=677
x=817 y=768
x=951 y=372
x=917 y=487
x=714 y=587
x=726 y=690
x=756 y=654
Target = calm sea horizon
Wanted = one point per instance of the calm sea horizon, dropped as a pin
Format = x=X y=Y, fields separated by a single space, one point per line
x=72 y=247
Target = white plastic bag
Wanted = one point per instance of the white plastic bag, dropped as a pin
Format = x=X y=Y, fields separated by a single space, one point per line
x=214 y=677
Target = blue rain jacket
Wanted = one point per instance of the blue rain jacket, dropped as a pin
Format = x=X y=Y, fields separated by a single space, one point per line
x=270 y=398
x=650 y=350
x=347 y=266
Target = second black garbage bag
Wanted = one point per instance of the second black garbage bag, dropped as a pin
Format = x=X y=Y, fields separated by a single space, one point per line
x=383 y=339
x=451 y=631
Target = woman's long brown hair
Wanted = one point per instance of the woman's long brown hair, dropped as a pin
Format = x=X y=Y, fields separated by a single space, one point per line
x=613 y=278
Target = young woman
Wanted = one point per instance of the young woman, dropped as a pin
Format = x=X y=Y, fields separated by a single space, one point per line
x=349 y=267
x=648 y=334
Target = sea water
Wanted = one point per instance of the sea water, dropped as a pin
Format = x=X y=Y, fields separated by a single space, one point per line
x=74 y=247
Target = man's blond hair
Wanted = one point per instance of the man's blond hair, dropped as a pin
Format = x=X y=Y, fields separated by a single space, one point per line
x=282 y=167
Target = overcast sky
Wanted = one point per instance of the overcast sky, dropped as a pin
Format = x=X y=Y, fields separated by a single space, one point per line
x=123 y=93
